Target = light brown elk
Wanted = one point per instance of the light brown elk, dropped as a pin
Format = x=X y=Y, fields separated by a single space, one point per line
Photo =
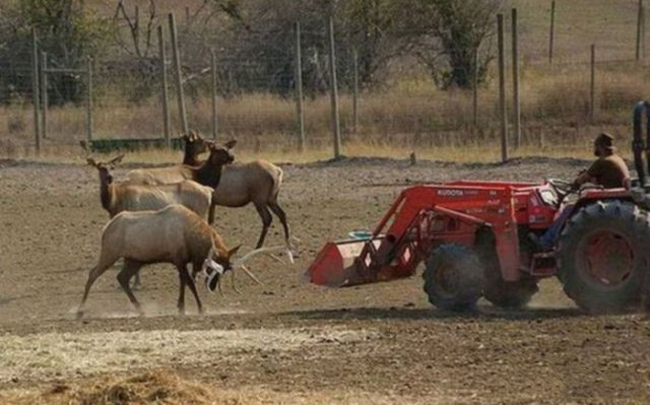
x=118 y=197
x=258 y=182
x=172 y=235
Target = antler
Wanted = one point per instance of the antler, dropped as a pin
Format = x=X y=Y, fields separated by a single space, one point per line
x=278 y=249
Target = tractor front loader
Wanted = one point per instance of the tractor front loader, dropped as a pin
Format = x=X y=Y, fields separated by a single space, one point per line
x=473 y=238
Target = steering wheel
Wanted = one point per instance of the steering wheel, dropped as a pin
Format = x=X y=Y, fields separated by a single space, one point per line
x=562 y=188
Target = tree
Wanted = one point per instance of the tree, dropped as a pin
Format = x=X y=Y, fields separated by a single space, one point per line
x=445 y=35
x=261 y=37
x=66 y=31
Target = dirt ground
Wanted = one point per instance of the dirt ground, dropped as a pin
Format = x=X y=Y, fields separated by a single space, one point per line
x=286 y=341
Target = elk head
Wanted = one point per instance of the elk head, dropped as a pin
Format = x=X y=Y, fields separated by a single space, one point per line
x=194 y=145
x=213 y=269
x=104 y=168
x=216 y=266
x=221 y=155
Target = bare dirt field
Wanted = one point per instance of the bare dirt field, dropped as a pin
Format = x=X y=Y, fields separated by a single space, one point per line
x=286 y=341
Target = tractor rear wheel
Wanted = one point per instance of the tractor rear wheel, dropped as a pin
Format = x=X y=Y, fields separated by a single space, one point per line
x=501 y=293
x=603 y=256
x=453 y=278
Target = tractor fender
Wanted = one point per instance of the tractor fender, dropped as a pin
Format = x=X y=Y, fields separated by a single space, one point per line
x=594 y=196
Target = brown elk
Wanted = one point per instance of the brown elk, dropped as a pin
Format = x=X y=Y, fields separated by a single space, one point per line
x=207 y=173
x=258 y=182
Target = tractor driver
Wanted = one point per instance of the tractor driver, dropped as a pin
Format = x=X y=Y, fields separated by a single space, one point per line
x=608 y=171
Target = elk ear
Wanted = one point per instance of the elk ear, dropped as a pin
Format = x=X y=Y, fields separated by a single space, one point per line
x=91 y=162
x=230 y=144
x=116 y=161
x=233 y=251
x=184 y=137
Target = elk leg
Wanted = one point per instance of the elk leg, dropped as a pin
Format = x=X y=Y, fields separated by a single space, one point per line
x=266 y=217
x=137 y=284
x=283 y=218
x=92 y=277
x=131 y=267
x=211 y=213
x=181 y=293
x=190 y=282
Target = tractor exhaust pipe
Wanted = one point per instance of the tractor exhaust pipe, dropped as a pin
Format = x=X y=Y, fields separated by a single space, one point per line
x=638 y=144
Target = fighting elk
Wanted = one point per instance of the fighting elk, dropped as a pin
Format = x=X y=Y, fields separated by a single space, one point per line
x=172 y=235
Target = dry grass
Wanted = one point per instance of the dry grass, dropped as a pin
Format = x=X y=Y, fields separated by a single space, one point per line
x=412 y=105
x=168 y=387
x=410 y=114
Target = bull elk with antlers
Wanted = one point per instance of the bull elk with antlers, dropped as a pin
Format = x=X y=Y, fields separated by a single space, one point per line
x=172 y=235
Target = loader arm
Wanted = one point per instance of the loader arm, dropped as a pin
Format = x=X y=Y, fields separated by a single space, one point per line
x=420 y=219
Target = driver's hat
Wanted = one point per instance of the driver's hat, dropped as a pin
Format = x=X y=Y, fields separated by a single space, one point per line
x=605 y=140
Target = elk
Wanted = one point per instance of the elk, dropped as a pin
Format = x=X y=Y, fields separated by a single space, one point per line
x=118 y=197
x=257 y=182
x=241 y=183
x=207 y=173
x=172 y=235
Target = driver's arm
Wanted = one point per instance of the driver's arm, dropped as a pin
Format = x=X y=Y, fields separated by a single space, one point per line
x=590 y=175
x=583 y=177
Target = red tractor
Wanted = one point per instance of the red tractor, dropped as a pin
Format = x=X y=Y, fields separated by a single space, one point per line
x=474 y=240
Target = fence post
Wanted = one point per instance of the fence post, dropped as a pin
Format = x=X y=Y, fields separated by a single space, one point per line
x=643 y=33
x=177 y=70
x=502 y=91
x=592 y=92
x=336 y=124
x=35 y=93
x=475 y=89
x=639 y=29
x=355 y=94
x=552 y=33
x=44 y=100
x=213 y=68
x=299 y=96
x=89 y=99
x=639 y=17
x=163 y=73
x=515 y=78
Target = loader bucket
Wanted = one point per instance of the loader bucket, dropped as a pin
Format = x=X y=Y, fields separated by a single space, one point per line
x=334 y=266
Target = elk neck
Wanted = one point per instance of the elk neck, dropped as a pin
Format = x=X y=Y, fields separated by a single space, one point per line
x=190 y=159
x=106 y=192
x=209 y=174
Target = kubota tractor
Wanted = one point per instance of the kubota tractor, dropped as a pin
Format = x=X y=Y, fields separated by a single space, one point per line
x=473 y=237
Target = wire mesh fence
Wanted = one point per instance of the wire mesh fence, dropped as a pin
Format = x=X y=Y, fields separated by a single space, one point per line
x=256 y=93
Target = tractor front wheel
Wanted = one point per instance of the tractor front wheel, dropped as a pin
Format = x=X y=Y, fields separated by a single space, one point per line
x=603 y=256
x=453 y=278
x=501 y=293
